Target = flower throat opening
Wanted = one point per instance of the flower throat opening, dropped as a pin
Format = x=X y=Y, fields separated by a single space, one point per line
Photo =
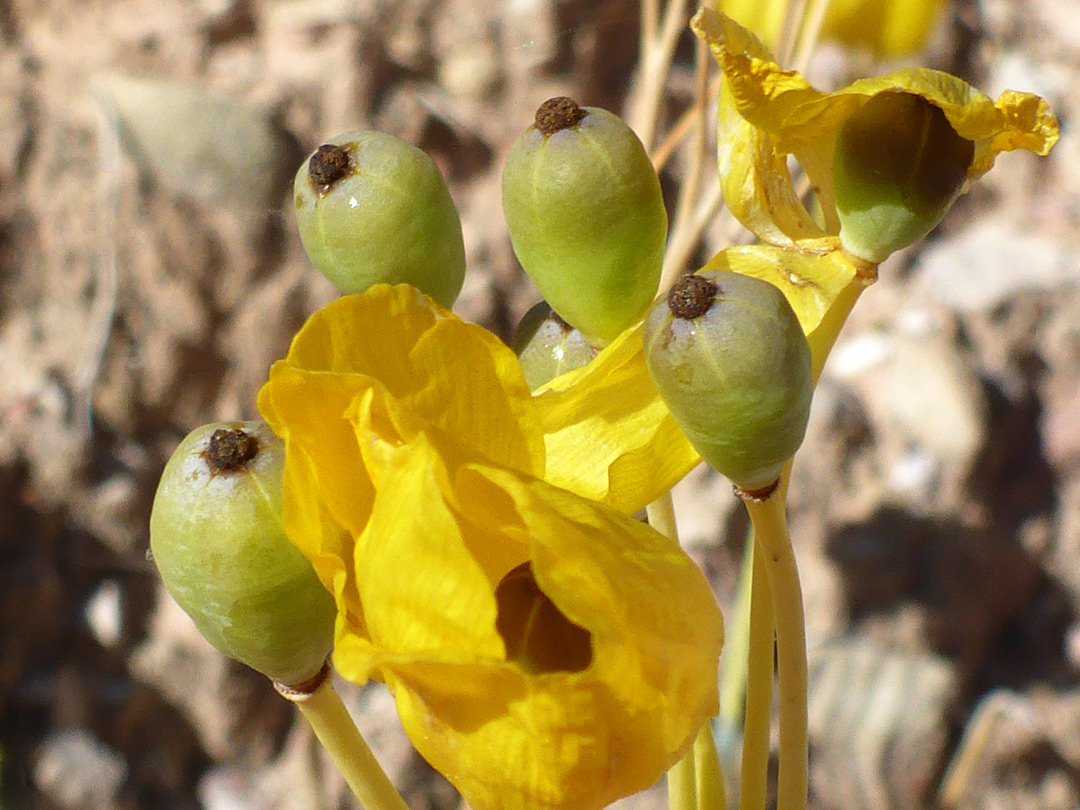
x=537 y=635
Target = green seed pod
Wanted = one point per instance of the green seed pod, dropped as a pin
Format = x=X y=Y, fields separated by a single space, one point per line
x=586 y=217
x=898 y=168
x=217 y=539
x=371 y=208
x=732 y=364
x=548 y=346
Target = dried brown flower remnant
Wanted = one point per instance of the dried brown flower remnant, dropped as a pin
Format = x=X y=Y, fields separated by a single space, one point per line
x=230 y=450
x=328 y=165
x=691 y=296
x=557 y=114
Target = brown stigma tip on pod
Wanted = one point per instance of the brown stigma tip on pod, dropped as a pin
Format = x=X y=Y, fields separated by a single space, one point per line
x=691 y=296
x=328 y=165
x=557 y=114
x=230 y=450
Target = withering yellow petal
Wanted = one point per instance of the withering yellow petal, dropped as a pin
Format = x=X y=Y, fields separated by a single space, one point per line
x=451 y=376
x=415 y=510
x=1026 y=122
x=504 y=737
x=408 y=366
x=608 y=434
x=779 y=101
x=323 y=464
x=802 y=121
x=811 y=277
x=595 y=562
x=1015 y=121
x=783 y=103
x=755 y=180
x=762 y=93
x=764 y=17
x=424 y=586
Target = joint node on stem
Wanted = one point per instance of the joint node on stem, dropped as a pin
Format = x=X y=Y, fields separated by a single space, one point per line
x=302 y=691
x=757 y=495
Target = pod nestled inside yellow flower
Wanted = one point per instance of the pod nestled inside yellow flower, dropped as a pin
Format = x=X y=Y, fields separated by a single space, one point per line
x=886 y=156
x=545 y=650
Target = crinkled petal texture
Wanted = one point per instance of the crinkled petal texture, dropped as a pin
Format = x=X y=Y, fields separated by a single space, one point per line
x=793 y=118
x=608 y=434
x=756 y=182
x=392 y=356
x=415 y=482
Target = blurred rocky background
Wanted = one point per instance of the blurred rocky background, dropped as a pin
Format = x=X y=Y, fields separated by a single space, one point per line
x=150 y=273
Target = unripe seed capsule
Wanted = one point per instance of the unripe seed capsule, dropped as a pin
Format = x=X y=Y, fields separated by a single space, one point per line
x=586 y=217
x=730 y=360
x=548 y=346
x=370 y=208
x=897 y=169
x=217 y=539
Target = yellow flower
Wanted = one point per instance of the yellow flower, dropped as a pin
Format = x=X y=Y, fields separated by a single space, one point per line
x=768 y=113
x=887 y=27
x=545 y=650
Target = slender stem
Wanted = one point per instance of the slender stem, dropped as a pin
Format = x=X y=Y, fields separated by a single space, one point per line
x=674 y=137
x=789 y=31
x=683 y=233
x=661 y=514
x=759 y=687
x=338 y=734
x=770 y=531
x=690 y=786
x=733 y=664
x=709 y=776
x=684 y=242
x=688 y=192
x=824 y=337
x=655 y=63
x=650 y=21
x=681 y=778
x=811 y=30
x=682 y=784
x=775 y=591
x=970 y=757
